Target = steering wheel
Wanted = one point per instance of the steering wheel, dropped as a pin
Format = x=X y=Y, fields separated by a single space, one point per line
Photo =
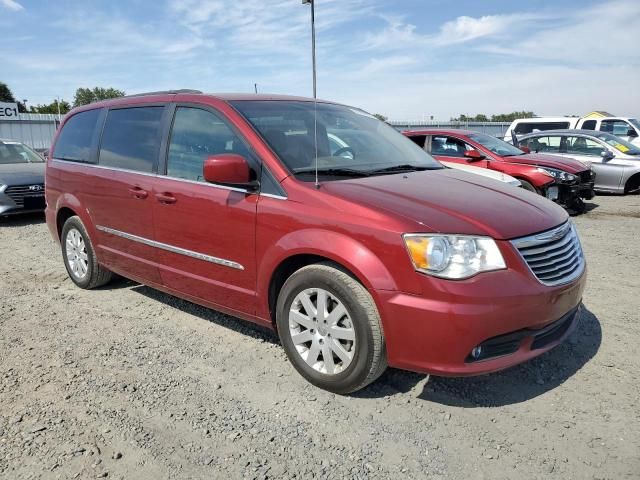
x=340 y=151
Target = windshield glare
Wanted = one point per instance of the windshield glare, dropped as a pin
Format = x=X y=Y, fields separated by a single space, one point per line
x=14 y=152
x=634 y=122
x=619 y=144
x=495 y=145
x=347 y=138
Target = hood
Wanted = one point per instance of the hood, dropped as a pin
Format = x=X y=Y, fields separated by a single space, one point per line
x=21 y=173
x=567 y=164
x=452 y=201
x=485 y=172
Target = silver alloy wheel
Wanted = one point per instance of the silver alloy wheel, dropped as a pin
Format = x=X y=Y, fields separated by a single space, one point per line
x=76 y=254
x=322 y=331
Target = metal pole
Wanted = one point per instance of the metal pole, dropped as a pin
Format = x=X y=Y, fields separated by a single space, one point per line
x=58 y=102
x=255 y=87
x=313 y=44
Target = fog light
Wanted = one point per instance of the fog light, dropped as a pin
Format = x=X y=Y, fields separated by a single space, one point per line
x=476 y=352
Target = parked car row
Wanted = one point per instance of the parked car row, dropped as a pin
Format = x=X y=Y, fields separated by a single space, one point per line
x=615 y=162
x=319 y=221
x=565 y=181
x=625 y=128
x=21 y=179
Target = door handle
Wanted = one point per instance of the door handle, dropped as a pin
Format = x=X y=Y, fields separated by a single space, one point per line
x=166 y=198
x=138 y=193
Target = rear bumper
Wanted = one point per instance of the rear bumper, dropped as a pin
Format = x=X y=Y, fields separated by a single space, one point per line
x=511 y=318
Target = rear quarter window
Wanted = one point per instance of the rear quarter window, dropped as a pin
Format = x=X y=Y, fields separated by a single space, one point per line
x=74 y=141
x=131 y=138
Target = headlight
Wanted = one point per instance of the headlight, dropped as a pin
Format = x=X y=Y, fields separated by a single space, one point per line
x=453 y=256
x=558 y=174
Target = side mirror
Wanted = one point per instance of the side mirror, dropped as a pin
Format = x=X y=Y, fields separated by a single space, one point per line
x=229 y=169
x=632 y=133
x=525 y=149
x=606 y=155
x=473 y=155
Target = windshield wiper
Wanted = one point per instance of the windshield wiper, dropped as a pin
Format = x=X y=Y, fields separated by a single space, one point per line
x=336 y=172
x=401 y=169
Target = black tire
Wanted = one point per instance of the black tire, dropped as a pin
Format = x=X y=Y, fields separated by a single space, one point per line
x=369 y=358
x=528 y=186
x=96 y=275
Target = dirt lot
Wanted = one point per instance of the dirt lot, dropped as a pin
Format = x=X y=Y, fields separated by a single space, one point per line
x=127 y=382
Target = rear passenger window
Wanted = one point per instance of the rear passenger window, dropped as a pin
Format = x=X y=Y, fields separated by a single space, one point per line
x=589 y=125
x=545 y=144
x=74 y=142
x=528 y=127
x=196 y=135
x=131 y=138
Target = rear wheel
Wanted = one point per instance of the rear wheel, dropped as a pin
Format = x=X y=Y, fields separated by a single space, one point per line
x=79 y=257
x=330 y=329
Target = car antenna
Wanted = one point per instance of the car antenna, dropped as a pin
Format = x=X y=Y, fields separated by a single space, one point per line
x=315 y=98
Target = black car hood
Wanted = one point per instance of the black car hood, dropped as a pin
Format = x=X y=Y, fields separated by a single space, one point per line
x=22 y=173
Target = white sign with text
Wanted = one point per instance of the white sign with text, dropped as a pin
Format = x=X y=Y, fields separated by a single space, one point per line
x=8 y=111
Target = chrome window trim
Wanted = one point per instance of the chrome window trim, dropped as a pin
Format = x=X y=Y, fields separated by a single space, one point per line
x=155 y=175
x=172 y=248
x=550 y=236
x=272 y=195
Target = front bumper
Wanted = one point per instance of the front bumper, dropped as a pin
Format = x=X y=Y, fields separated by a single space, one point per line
x=436 y=332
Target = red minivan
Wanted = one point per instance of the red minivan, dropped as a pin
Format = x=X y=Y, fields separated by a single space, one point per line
x=360 y=256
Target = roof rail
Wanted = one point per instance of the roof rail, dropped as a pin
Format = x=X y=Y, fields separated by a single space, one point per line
x=164 y=92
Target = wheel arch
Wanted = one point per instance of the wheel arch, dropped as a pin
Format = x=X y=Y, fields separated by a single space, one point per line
x=362 y=264
x=632 y=183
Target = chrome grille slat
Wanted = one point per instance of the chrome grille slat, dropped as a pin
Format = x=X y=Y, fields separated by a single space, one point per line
x=17 y=193
x=528 y=251
x=569 y=253
x=555 y=257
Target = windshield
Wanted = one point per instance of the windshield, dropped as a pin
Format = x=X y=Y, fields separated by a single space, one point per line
x=618 y=143
x=634 y=122
x=14 y=152
x=497 y=146
x=349 y=141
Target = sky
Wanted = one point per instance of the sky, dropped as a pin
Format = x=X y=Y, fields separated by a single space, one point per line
x=405 y=59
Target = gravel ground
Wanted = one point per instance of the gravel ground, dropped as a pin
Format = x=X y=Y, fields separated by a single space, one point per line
x=127 y=382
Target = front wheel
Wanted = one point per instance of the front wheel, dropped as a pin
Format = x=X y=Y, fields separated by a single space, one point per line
x=79 y=256
x=528 y=186
x=330 y=329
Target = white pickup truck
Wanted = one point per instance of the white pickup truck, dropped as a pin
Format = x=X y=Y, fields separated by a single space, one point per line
x=624 y=127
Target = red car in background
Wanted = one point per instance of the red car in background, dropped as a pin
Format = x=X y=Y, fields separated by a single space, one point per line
x=564 y=180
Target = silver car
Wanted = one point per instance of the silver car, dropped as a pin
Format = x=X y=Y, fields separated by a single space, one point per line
x=615 y=161
x=21 y=179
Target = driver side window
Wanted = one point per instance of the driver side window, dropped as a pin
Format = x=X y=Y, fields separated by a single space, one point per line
x=448 y=146
x=196 y=135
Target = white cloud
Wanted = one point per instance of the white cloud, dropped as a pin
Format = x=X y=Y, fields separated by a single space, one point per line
x=11 y=5
x=464 y=29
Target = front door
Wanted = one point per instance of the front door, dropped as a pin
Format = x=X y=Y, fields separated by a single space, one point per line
x=452 y=149
x=609 y=173
x=205 y=233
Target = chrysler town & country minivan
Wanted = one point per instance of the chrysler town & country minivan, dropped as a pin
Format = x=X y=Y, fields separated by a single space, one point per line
x=359 y=256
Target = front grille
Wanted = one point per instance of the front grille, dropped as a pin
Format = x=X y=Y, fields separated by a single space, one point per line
x=586 y=176
x=17 y=193
x=555 y=256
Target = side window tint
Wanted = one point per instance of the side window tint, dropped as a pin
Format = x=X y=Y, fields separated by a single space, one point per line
x=545 y=144
x=418 y=140
x=618 y=128
x=589 y=125
x=583 y=146
x=196 y=135
x=131 y=138
x=74 y=142
x=447 y=146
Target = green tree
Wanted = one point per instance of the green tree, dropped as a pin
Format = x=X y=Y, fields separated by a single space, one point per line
x=85 y=96
x=380 y=117
x=510 y=117
x=5 y=94
x=52 y=107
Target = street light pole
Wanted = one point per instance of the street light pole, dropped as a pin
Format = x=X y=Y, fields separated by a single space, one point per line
x=313 y=40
